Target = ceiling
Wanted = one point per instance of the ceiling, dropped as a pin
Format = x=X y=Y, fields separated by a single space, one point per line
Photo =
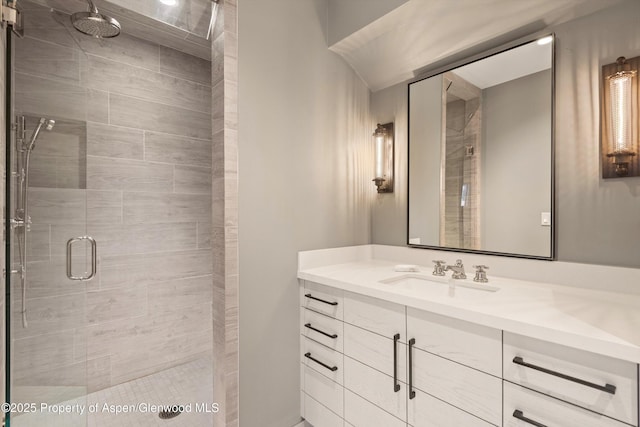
x=422 y=34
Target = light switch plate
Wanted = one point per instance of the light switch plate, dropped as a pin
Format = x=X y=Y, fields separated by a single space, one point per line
x=545 y=219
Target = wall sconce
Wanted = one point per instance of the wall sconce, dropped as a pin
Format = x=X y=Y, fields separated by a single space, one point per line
x=620 y=118
x=384 y=147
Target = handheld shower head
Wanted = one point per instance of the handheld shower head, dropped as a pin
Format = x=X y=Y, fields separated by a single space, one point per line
x=48 y=124
x=95 y=24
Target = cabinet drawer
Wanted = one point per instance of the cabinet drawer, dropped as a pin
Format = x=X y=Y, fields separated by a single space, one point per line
x=375 y=387
x=473 y=391
x=323 y=299
x=427 y=411
x=323 y=329
x=375 y=315
x=318 y=415
x=567 y=370
x=472 y=345
x=322 y=355
x=375 y=351
x=547 y=411
x=361 y=413
x=324 y=390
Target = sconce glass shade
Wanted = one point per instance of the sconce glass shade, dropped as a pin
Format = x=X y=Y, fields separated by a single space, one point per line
x=620 y=92
x=620 y=145
x=383 y=167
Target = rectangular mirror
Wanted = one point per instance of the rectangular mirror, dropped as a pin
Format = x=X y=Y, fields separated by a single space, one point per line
x=481 y=154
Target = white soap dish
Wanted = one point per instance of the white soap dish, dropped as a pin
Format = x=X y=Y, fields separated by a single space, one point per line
x=406 y=267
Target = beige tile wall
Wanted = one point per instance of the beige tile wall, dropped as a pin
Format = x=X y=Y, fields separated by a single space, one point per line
x=145 y=197
x=225 y=213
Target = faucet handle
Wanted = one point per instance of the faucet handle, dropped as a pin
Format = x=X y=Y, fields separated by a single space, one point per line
x=481 y=274
x=439 y=268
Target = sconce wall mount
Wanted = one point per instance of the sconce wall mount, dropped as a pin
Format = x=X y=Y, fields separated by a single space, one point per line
x=619 y=118
x=384 y=158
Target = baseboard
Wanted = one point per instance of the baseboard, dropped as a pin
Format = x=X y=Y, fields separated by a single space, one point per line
x=300 y=424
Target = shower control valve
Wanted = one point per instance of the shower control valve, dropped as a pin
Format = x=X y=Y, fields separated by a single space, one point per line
x=16 y=223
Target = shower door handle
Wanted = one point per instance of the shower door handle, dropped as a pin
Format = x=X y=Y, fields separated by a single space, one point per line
x=94 y=258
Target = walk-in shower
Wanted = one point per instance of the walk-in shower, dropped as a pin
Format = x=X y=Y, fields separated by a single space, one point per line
x=21 y=221
x=108 y=193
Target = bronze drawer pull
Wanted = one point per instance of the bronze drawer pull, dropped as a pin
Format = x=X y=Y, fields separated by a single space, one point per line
x=321 y=300
x=520 y=415
x=308 y=325
x=607 y=388
x=331 y=368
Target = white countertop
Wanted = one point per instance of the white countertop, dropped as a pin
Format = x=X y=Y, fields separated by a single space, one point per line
x=599 y=321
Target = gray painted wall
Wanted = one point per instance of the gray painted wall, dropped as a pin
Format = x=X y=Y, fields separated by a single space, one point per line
x=426 y=133
x=389 y=211
x=516 y=160
x=597 y=220
x=304 y=183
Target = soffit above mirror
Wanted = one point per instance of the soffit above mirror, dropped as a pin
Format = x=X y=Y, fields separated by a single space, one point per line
x=420 y=33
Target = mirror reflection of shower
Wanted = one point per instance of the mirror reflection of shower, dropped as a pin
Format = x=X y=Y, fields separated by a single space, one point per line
x=460 y=215
x=21 y=221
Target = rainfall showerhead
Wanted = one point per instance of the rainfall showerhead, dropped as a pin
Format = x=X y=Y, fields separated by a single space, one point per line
x=95 y=24
x=43 y=122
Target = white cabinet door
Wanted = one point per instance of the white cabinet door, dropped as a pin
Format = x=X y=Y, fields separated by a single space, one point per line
x=359 y=412
x=573 y=375
x=473 y=391
x=472 y=345
x=427 y=411
x=375 y=315
x=376 y=387
x=376 y=351
x=534 y=407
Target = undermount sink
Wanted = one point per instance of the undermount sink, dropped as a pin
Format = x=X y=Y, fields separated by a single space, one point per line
x=444 y=287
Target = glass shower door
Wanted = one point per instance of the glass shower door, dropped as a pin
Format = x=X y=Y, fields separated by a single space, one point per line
x=122 y=151
x=53 y=261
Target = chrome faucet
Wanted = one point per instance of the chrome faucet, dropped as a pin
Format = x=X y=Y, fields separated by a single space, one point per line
x=458 y=270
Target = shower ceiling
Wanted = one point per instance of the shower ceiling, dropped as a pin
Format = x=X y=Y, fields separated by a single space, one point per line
x=182 y=26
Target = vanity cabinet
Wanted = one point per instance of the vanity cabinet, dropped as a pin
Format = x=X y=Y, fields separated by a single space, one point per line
x=368 y=362
x=448 y=377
